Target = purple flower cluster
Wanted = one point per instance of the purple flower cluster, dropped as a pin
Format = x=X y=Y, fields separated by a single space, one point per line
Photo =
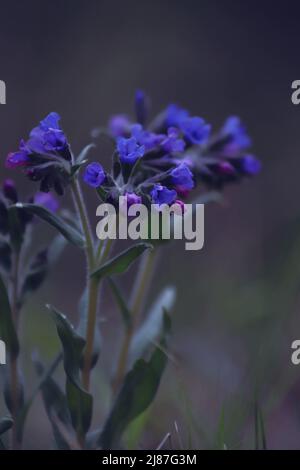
x=45 y=156
x=160 y=161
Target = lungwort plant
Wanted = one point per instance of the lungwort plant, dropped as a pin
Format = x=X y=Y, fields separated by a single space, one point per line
x=159 y=161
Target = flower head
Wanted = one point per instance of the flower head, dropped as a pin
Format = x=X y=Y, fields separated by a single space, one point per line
x=141 y=108
x=45 y=156
x=249 y=165
x=119 y=125
x=162 y=195
x=183 y=177
x=132 y=198
x=236 y=137
x=129 y=150
x=94 y=175
x=195 y=130
x=148 y=139
x=173 y=143
x=175 y=115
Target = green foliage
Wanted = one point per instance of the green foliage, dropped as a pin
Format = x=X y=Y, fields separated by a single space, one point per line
x=7 y=329
x=121 y=262
x=80 y=402
x=69 y=232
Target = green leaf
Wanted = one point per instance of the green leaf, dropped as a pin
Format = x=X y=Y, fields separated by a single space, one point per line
x=56 y=405
x=84 y=153
x=16 y=227
x=120 y=263
x=260 y=436
x=82 y=329
x=7 y=329
x=125 y=312
x=136 y=395
x=80 y=406
x=5 y=424
x=153 y=326
x=80 y=402
x=69 y=232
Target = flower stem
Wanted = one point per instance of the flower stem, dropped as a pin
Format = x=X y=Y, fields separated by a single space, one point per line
x=14 y=361
x=92 y=284
x=144 y=277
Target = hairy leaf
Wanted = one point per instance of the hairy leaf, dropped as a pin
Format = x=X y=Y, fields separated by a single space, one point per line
x=69 y=232
x=120 y=263
x=80 y=402
x=136 y=394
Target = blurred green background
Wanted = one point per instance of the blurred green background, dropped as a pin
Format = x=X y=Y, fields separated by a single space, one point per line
x=238 y=299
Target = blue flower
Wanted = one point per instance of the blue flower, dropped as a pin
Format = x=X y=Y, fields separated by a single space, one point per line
x=47 y=200
x=129 y=150
x=141 y=108
x=182 y=177
x=162 y=195
x=238 y=139
x=46 y=156
x=133 y=198
x=195 y=130
x=148 y=139
x=48 y=138
x=175 y=115
x=94 y=175
x=119 y=125
x=172 y=143
x=250 y=165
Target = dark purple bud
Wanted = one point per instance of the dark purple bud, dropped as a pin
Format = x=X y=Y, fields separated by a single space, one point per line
x=250 y=165
x=17 y=159
x=141 y=108
x=9 y=191
x=3 y=218
x=47 y=200
x=119 y=125
x=225 y=168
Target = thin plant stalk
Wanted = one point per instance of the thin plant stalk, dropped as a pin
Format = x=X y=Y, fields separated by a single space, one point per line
x=144 y=277
x=14 y=381
x=92 y=284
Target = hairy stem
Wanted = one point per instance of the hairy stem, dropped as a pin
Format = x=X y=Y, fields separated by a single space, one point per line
x=14 y=380
x=144 y=277
x=92 y=285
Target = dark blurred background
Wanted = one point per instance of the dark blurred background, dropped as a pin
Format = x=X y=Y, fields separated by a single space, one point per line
x=238 y=299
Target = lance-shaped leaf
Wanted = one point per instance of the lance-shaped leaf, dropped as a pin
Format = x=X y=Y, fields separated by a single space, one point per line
x=7 y=329
x=56 y=405
x=5 y=424
x=27 y=405
x=152 y=328
x=82 y=329
x=124 y=310
x=120 y=263
x=69 y=232
x=80 y=402
x=136 y=394
x=84 y=153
